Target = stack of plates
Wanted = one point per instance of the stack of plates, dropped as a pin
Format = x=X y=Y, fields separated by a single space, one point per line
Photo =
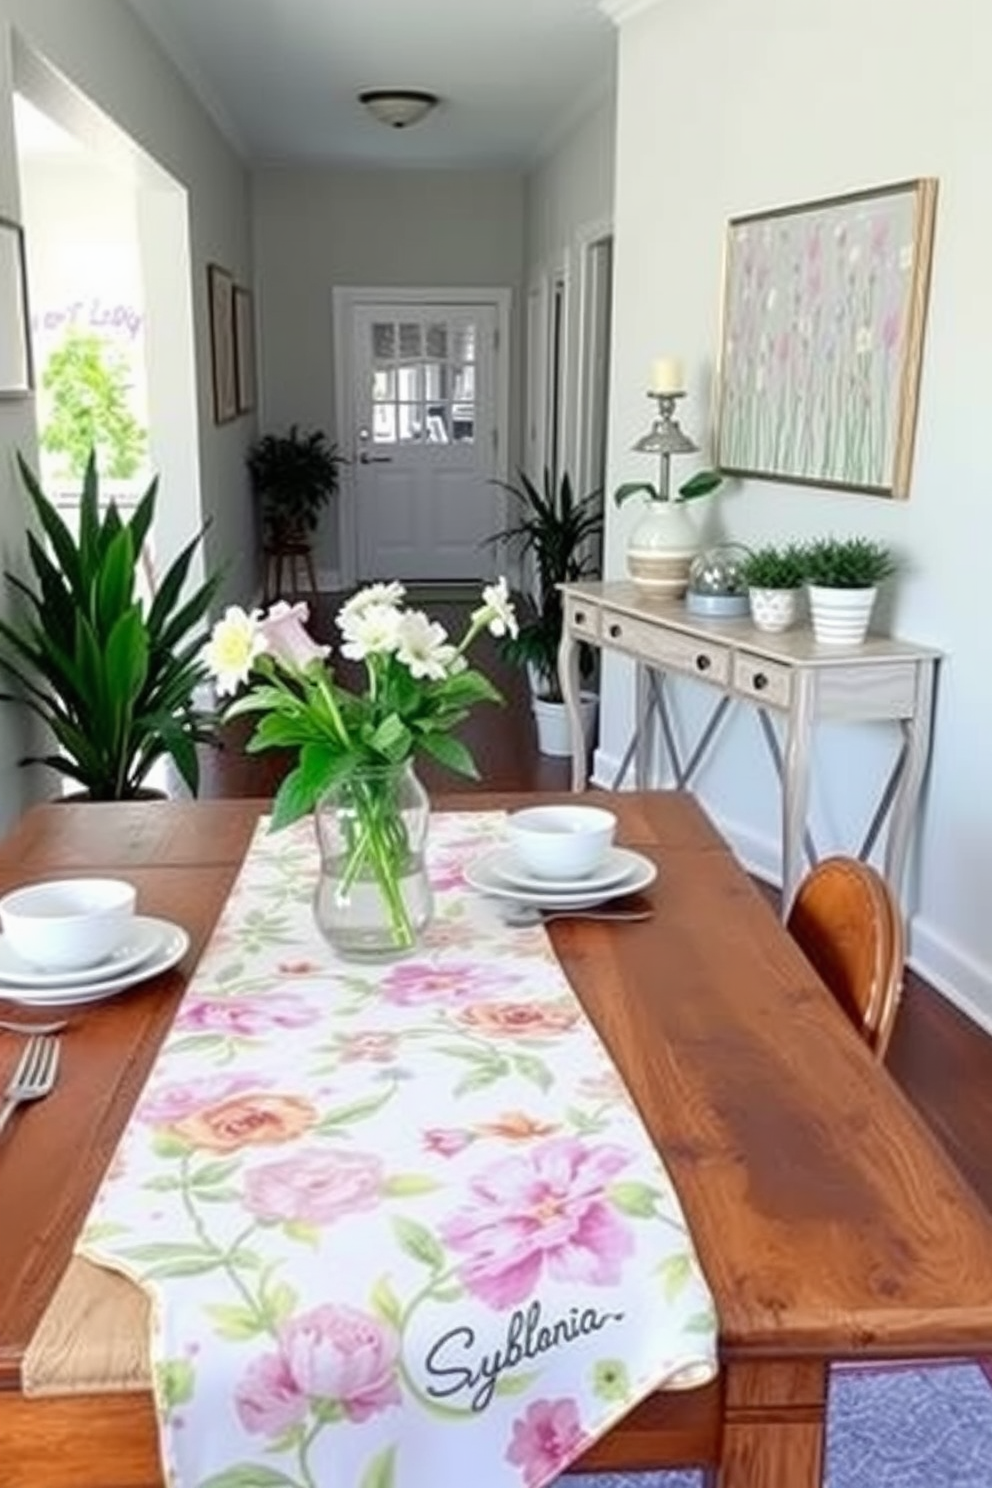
x=150 y=947
x=501 y=874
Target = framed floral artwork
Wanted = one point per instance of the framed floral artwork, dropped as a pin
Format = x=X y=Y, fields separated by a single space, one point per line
x=16 y=378
x=824 y=307
x=220 y=289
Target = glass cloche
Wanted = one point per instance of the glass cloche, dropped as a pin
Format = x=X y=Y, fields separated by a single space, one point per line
x=716 y=583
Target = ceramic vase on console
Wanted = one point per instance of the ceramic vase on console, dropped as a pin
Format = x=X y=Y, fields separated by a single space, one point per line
x=773 y=610
x=373 y=898
x=661 y=548
x=840 y=616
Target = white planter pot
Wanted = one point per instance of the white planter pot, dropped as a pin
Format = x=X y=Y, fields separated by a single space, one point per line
x=774 y=609
x=840 y=616
x=554 y=736
x=661 y=548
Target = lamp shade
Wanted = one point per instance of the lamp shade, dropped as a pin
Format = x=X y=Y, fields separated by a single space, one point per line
x=398 y=107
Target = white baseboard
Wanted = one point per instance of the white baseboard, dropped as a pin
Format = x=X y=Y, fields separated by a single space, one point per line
x=958 y=975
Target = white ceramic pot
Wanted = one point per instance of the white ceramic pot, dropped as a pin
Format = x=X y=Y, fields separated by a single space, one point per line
x=661 y=548
x=553 y=734
x=774 y=609
x=840 y=616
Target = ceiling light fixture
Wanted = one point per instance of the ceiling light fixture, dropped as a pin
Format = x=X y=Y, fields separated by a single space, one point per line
x=398 y=107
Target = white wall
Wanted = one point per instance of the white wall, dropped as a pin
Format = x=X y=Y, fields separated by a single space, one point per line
x=104 y=51
x=569 y=202
x=763 y=104
x=315 y=229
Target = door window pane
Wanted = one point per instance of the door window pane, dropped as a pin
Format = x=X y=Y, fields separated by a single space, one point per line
x=437 y=340
x=383 y=385
x=435 y=381
x=410 y=347
x=411 y=423
x=463 y=423
x=408 y=384
x=463 y=339
x=383 y=340
x=383 y=424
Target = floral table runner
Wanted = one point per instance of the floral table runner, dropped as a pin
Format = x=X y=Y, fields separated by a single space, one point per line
x=402 y=1224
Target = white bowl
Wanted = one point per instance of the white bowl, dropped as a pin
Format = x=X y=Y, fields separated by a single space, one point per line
x=66 y=924
x=561 y=841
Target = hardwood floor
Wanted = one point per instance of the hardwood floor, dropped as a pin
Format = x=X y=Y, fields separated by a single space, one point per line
x=940 y=1058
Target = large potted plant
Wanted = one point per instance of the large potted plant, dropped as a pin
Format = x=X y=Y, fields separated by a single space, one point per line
x=556 y=535
x=842 y=579
x=293 y=475
x=111 y=678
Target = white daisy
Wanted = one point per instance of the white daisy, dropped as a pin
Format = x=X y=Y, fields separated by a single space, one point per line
x=497 y=610
x=369 y=598
x=372 y=631
x=423 y=646
x=234 y=643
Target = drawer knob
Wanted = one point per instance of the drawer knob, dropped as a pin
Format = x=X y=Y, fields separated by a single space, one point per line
x=615 y=632
x=760 y=681
x=580 y=617
x=702 y=663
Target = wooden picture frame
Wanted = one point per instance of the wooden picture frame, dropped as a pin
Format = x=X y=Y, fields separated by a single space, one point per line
x=16 y=369
x=244 y=349
x=220 y=291
x=824 y=308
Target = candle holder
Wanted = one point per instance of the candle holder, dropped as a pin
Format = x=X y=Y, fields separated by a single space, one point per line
x=664 y=542
x=665 y=438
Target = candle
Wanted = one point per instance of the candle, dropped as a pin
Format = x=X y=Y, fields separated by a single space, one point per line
x=667 y=375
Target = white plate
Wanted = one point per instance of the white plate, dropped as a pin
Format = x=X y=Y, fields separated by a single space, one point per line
x=170 y=945
x=142 y=939
x=504 y=864
x=642 y=872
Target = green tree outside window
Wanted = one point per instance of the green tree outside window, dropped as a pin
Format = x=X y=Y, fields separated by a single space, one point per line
x=88 y=386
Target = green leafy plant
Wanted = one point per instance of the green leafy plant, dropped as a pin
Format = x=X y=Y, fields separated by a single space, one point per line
x=88 y=386
x=771 y=567
x=293 y=476
x=700 y=484
x=559 y=534
x=113 y=680
x=847 y=563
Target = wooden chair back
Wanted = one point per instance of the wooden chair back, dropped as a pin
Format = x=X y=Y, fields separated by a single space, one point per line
x=847 y=922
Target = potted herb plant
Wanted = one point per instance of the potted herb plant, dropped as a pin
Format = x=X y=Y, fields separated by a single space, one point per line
x=293 y=475
x=557 y=536
x=112 y=679
x=774 y=577
x=664 y=542
x=842 y=579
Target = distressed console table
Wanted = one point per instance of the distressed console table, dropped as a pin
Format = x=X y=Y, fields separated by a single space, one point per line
x=787 y=674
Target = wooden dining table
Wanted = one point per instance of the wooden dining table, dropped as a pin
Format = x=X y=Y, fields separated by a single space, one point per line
x=830 y=1223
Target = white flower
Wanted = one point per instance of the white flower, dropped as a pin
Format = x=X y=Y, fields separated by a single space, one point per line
x=286 y=637
x=862 y=341
x=370 y=631
x=497 y=610
x=234 y=643
x=369 y=598
x=423 y=646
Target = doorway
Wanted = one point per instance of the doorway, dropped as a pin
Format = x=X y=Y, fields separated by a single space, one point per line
x=422 y=402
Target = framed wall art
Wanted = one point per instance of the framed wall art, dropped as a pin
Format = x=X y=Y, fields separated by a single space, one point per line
x=244 y=349
x=16 y=376
x=220 y=290
x=824 y=307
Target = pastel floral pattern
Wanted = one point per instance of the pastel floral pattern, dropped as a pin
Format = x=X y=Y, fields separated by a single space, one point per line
x=398 y=1220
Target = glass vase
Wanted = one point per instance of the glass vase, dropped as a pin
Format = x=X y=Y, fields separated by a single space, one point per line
x=373 y=897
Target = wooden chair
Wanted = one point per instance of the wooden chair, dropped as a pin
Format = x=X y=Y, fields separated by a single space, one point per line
x=847 y=922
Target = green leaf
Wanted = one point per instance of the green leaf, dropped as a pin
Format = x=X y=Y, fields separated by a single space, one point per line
x=635 y=1199
x=381 y=1471
x=408 y=1185
x=675 y=1272
x=249 y=1475
x=516 y=1384
x=451 y=753
x=305 y=1234
x=418 y=1242
x=700 y=484
x=175 y=1382
x=385 y=1303
x=533 y=1069
x=480 y=1078
x=233 y=1322
x=700 y=1322
x=635 y=488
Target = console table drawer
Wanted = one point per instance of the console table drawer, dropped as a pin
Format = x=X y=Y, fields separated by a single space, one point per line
x=764 y=681
x=581 y=618
x=668 y=649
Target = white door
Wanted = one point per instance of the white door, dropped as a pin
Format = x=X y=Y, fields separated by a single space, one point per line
x=425 y=439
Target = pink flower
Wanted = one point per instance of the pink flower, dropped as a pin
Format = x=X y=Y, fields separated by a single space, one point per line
x=379 y=1048
x=314 y=1187
x=286 y=637
x=447 y=871
x=542 y=1209
x=341 y=1354
x=245 y=1017
x=546 y=1438
x=447 y=1141
x=165 y=1104
x=268 y=1400
x=419 y=981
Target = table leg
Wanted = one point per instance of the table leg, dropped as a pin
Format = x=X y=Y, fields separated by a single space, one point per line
x=568 y=679
x=648 y=700
x=795 y=783
x=774 y=1416
x=916 y=732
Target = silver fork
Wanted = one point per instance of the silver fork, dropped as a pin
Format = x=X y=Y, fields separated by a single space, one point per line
x=33 y=1077
x=522 y=915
